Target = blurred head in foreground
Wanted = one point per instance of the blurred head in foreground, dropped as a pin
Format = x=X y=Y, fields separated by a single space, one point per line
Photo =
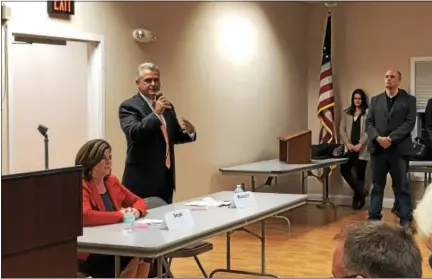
x=376 y=250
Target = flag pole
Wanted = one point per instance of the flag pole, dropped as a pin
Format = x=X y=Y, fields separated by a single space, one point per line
x=327 y=58
x=330 y=7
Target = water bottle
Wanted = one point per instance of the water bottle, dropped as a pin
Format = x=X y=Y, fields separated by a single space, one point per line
x=239 y=189
x=129 y=219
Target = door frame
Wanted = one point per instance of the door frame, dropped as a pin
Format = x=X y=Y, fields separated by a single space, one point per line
x=415 y=133
x=95 y=79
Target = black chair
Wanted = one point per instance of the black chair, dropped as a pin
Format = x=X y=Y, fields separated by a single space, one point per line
x=191 y=251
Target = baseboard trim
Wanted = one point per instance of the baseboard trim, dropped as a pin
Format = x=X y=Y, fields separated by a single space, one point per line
x=347 y=200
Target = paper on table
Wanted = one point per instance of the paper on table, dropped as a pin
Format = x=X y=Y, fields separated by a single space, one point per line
x=149 y=221
x=208 y=201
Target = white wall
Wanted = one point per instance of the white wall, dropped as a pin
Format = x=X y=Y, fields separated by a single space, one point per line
x=49 y=87
x=4 y=150
x=238 y=71
x=112 y=20
x=239 y=106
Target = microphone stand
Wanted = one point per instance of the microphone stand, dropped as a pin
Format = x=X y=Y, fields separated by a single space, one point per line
x=46 y=140
x=43 y=131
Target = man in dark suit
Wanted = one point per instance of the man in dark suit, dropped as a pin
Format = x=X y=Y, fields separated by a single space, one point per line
x=426 y=135
x=152 y=129
x=428 y=126
x=390 y=121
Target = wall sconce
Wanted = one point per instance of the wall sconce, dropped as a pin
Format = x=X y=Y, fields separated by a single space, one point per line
x=143 y=35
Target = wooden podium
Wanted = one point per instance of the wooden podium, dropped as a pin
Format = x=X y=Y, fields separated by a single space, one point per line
x=296 y=148
x=41 y=220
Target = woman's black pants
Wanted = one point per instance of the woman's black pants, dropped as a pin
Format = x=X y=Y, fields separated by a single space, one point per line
x=357 y=183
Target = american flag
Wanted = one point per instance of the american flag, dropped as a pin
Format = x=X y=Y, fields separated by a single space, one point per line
x=326 y=100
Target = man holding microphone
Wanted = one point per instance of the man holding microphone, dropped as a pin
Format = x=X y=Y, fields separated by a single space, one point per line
x=152 y=129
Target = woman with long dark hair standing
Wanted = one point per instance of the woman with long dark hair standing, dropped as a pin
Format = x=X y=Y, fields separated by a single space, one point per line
x=353 y=135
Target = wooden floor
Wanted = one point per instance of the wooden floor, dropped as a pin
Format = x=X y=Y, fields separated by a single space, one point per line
x=306 y=253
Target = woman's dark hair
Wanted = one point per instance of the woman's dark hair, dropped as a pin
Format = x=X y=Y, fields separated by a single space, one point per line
x=90 y=154
x=364 y=102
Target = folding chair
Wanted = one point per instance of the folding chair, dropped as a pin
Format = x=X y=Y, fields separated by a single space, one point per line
x=191 y=251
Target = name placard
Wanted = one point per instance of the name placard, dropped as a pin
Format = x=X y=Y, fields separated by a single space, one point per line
x=179 y=219
x=244 y=199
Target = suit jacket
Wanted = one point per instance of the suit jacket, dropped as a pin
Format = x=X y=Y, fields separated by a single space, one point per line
x=428 y=123
x=94 y=211
x=397 y=123
x=345 y=133
x=145 y=172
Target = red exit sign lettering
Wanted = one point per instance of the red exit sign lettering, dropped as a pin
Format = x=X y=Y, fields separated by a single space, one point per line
x=61 y=7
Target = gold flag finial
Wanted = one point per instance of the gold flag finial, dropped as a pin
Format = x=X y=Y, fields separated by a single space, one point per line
x=330 y=6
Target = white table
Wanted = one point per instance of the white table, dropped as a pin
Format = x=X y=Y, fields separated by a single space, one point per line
x=275 y=168
x=156 y=242
x=424 y=167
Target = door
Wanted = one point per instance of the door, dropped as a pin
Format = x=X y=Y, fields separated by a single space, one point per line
x=49 y=88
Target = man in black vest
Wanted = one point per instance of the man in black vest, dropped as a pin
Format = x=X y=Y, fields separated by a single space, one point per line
x=390 y=121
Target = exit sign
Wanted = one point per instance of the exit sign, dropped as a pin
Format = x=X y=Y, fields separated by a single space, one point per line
x=61 y=7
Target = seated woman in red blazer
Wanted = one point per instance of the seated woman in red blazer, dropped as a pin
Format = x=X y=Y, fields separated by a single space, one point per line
x=104 y=202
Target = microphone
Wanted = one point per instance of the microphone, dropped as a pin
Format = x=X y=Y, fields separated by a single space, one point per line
x=158 y=95
x=43 y=130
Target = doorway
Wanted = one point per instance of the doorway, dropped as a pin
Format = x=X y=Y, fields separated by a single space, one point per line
x=71 y=104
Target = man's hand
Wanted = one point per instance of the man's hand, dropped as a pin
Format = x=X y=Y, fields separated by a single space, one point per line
x=187 y=127
x=384 y=142
x=161 y=104
x=350 y=146
x=357 y=147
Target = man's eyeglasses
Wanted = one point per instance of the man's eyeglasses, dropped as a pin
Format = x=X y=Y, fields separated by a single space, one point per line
x=150 y=80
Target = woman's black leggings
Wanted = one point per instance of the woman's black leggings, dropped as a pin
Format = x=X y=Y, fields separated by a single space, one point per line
x=357 y=183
